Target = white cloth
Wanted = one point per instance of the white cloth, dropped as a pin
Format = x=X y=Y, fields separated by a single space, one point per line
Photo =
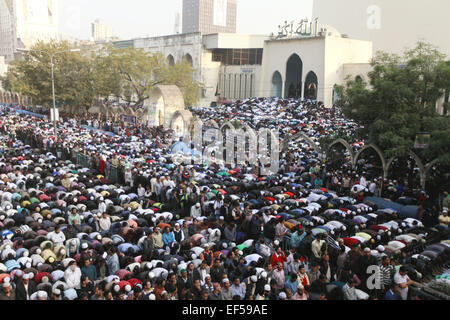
x=398 y=278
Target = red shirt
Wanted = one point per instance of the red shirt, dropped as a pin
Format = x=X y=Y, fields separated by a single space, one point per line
x=278 y=258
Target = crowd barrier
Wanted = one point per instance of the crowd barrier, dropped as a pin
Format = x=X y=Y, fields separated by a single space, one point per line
x=111 y=174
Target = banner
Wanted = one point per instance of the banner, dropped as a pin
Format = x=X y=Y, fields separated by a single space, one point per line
x=220 y=13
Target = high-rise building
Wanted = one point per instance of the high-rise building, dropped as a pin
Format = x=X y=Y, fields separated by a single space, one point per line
x=101 y=32
x=24 y=22
x=390 y=25
x=209 y=16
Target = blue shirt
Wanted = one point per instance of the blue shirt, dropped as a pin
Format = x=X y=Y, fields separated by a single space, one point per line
x=239 y=291
x=390 y=295
x=296 y=239
x=168 y=238
x=291 y=285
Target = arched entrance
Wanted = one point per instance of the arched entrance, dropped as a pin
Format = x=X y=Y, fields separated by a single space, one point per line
x=164 y=101
x=188 y=59
x=171 y=60
x=294 y=72
x=277 y=84
x=180 y=123
x=311 y=86
x=335 y=94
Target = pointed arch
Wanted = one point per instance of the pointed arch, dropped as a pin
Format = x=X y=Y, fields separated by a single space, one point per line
x=188 y=59
x=311 y=86
x=346 y=145
x=377 y=150
x=294 y=73
x=180 y=121
x=171 y=60
x=311 y=142
x=277 y=84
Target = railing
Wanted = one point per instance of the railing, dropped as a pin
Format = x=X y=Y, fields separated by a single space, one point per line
x=83 y=160
x=111 y=174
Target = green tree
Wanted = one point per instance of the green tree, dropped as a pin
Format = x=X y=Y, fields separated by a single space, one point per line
x=131 y=74
x=181 y=74
x=32 y=75
x=400 y=100
x=83 y=77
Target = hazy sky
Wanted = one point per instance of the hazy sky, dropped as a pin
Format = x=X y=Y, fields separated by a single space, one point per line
x=139 y=18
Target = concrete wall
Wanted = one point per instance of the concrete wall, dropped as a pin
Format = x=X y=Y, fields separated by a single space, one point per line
x=43 y=27
x=357 y=69
x=325 y=55
x=338 y=53
x=244 y=81
x=177 y=46
x=234 y=41
x=198 y=16
x=164 y=102
x=3 y=68
x=277 y=53
x=209 y=79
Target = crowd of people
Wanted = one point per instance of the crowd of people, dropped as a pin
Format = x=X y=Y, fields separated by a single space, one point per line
x=164 y=231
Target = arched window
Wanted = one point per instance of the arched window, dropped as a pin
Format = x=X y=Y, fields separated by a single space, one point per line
x=170 y=60
x=294 y=71
x=311 y=86
x=188 y=59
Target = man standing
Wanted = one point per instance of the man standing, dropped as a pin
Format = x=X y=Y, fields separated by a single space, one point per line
x=278 y=275
x=386 y=273
x=148 y=247
x=237 y=289
x=57 y=237
x=25 y=287
x=316 y=247
x=226 y=292
x=401 y=278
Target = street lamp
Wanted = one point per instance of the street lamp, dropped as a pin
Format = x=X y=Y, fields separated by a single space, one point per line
x=51 y=55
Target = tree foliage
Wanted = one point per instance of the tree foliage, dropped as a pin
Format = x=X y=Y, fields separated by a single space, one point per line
x=83 y=77
x=400 y=101
x=32 y=75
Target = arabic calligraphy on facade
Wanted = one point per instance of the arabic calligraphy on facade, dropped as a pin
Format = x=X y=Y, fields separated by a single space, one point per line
x=304 y=28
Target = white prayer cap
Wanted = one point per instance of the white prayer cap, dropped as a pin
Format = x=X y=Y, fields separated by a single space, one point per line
x=266 y=287
x=380 y=248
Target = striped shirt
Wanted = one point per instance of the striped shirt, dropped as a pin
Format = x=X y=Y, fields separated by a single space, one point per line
x=386 y=273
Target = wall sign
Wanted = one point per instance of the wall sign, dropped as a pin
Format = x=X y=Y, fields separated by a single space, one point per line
x=304 y=28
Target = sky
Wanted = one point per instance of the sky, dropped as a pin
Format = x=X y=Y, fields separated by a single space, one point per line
x=141 y=18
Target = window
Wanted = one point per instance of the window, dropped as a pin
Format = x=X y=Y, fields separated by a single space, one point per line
x=238 y=57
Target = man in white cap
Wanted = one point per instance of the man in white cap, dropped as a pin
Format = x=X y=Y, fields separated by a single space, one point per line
x=226 y=292
x=444 y=218
x=301 y=293
x=196 y=211
x=282 y=296
x=265 y=294
x=378 y=253
x=57 y=237
x=25 y=287
x=72 y=276
x=39 y=295
x=7 y=292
